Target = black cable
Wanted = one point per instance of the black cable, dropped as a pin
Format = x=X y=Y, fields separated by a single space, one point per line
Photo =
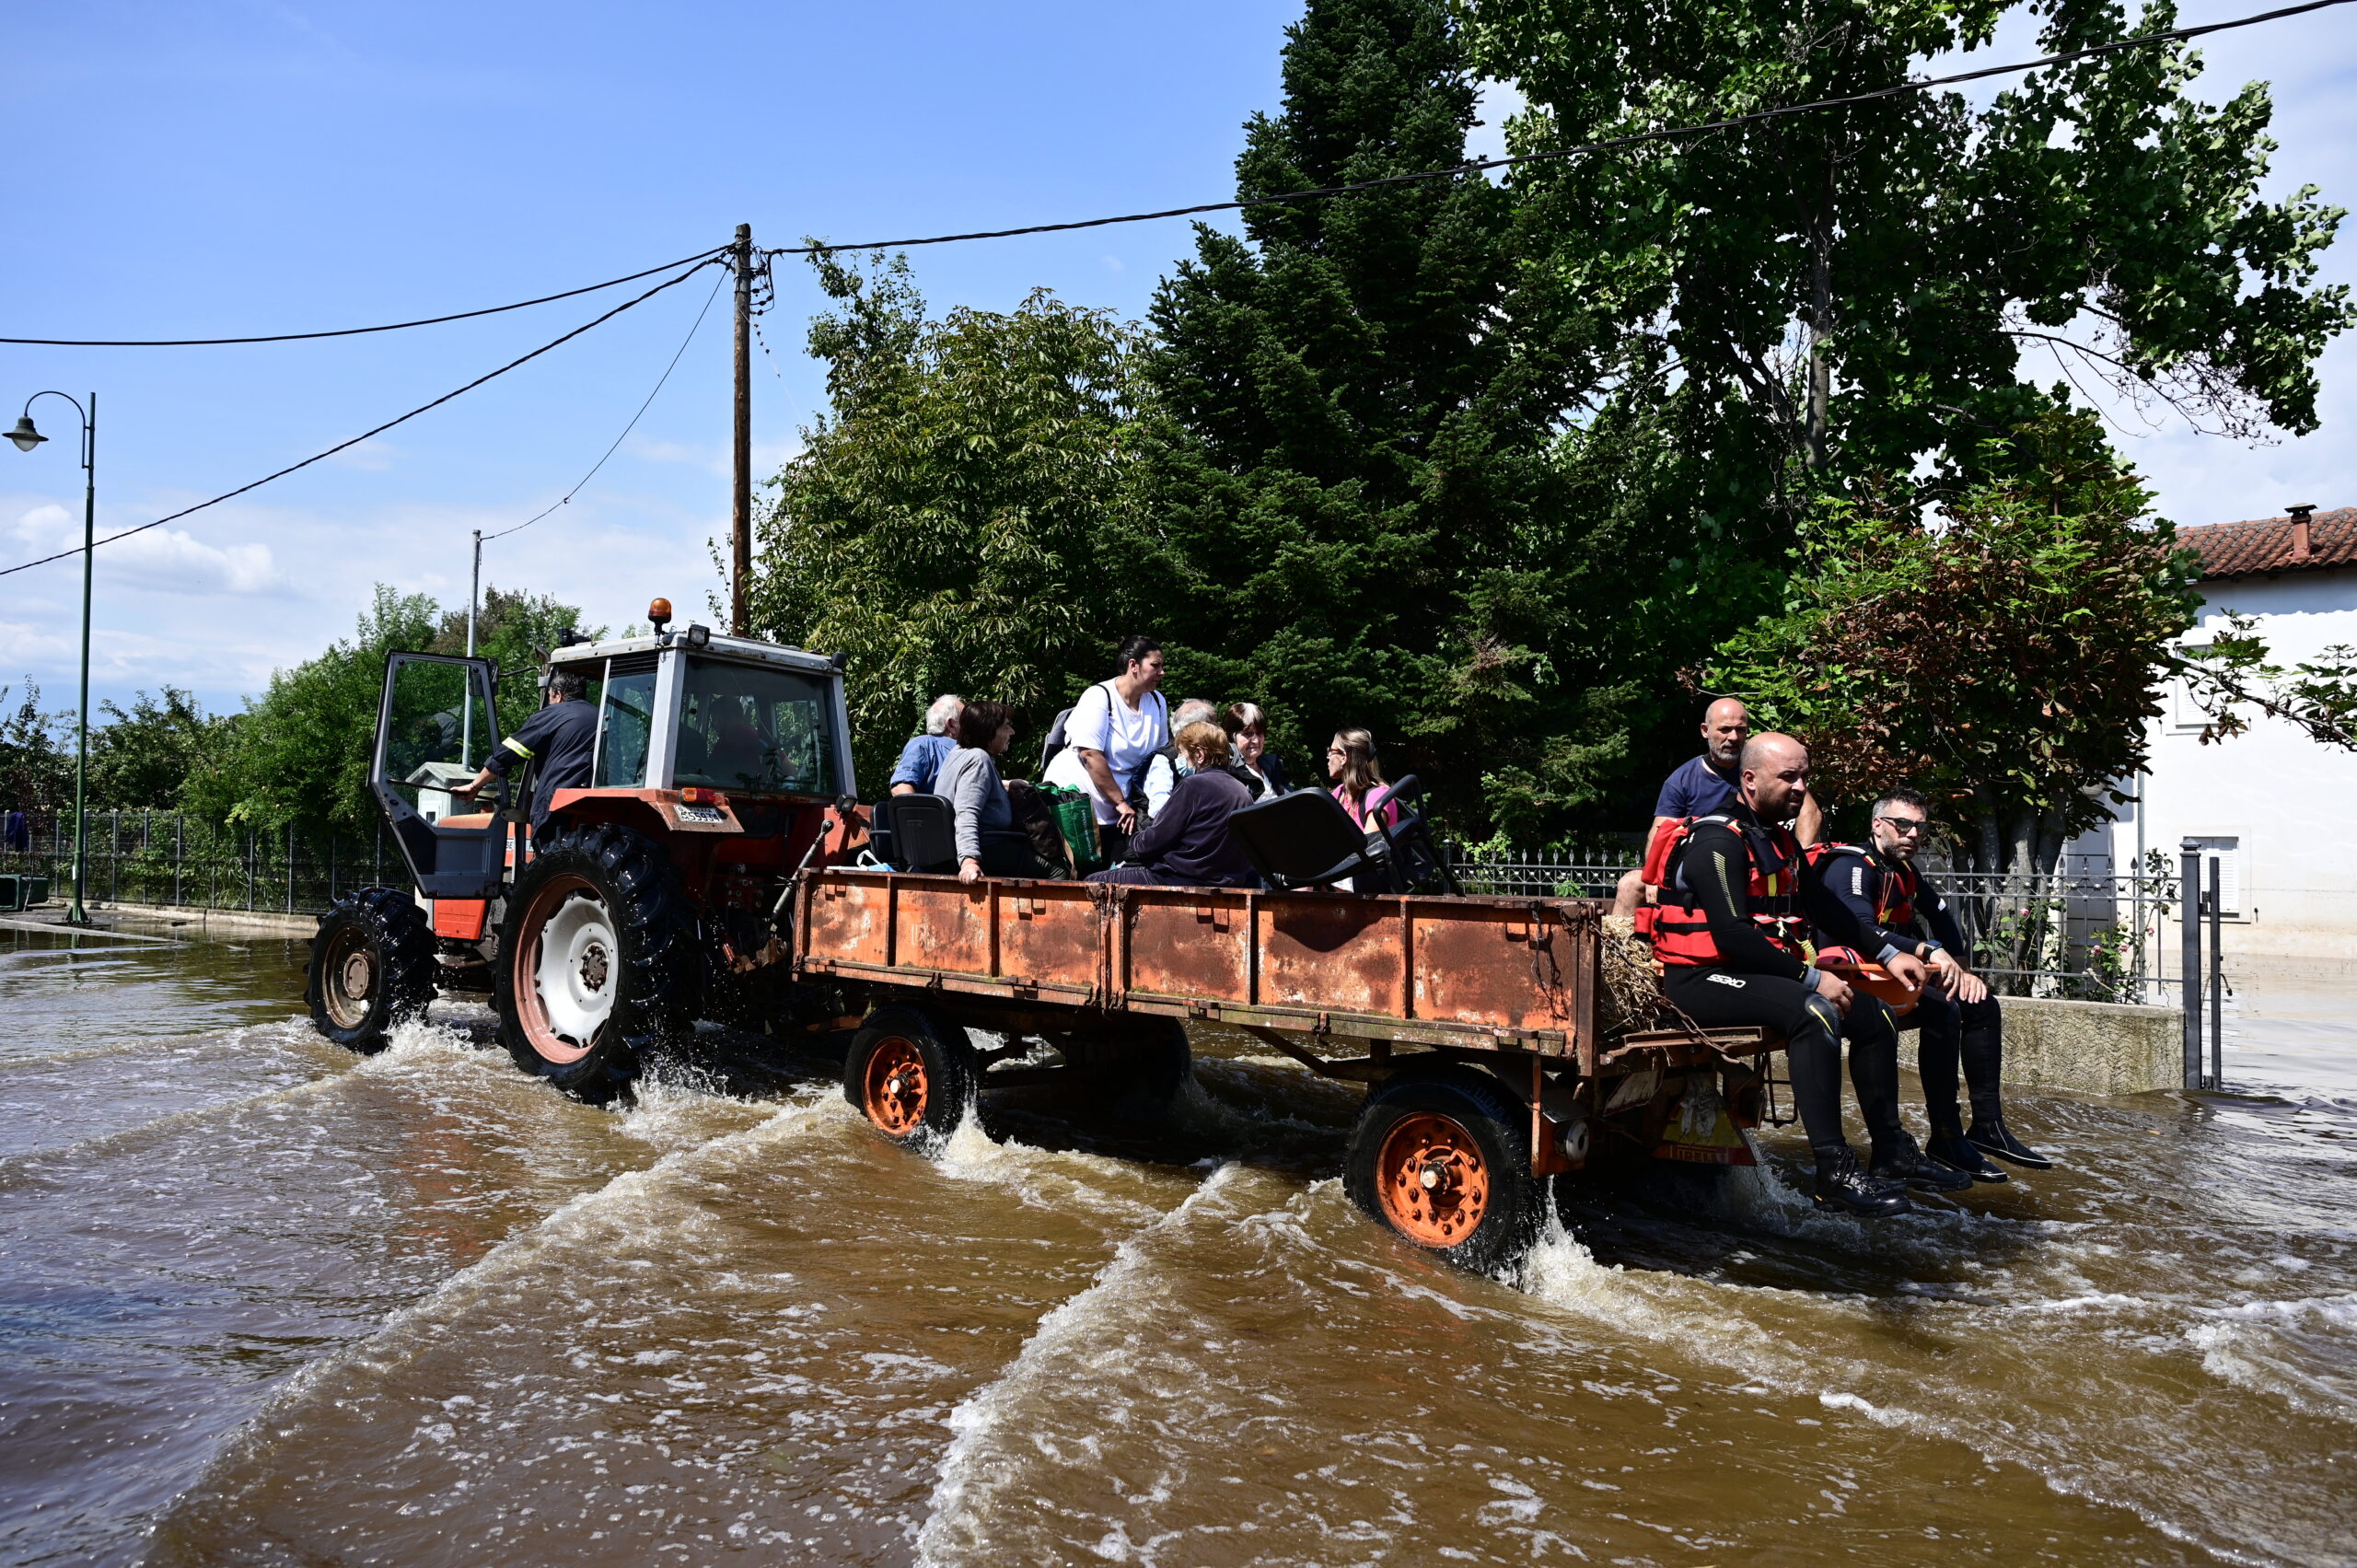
x=649 y=403
x=356 y=332
x=1667 y=133
x=365 y=435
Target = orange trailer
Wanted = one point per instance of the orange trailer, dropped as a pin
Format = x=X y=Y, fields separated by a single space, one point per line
x=1474 y=1020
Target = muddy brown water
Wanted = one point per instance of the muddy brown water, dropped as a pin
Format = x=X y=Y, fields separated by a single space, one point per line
x=262 y=1302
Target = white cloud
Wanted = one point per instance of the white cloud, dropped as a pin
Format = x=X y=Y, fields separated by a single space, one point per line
x=370 y=457
x=166 y=561
x=1499 y=102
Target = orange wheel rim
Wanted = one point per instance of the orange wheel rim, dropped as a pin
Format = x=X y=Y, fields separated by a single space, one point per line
x=894 y=1090
x=1432 y=1180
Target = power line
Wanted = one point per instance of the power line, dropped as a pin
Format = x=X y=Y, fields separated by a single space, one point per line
x=380 y=430
x=356 y=332
x=1634 y=139
x=649 y=403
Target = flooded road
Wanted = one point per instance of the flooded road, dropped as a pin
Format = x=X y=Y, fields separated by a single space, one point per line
x=264 y=1302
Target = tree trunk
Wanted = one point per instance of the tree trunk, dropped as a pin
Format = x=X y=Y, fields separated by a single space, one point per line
x=1820 y=327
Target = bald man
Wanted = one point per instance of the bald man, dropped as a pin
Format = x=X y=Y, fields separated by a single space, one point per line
x=1704 y=785
x=1730 y=934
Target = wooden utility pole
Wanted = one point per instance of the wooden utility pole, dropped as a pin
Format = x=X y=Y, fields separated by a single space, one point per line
x=741 y=513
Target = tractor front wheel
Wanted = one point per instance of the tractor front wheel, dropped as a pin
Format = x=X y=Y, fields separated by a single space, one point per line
x=372 y=968
x=597 y=966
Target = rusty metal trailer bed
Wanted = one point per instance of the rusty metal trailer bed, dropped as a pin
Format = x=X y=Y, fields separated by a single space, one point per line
x=1478 y=1018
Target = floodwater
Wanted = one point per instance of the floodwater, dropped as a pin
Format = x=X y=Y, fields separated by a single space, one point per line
x=262 y=1302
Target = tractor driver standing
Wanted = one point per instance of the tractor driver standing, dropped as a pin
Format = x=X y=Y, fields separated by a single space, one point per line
x=562 y=738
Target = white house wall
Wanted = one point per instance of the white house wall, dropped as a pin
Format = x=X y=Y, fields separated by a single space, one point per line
x=2282 y=799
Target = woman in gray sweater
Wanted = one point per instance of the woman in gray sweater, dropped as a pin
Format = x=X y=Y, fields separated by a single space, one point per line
x=989 y=843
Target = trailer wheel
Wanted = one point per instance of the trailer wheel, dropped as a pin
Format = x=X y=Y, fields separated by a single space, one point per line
x=598 y=963
x=911 y=1074
x=372 y=968
x=1443 y=1159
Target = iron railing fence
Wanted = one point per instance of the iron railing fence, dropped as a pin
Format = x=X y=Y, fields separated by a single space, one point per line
x=2082 y=935
x=171 y=859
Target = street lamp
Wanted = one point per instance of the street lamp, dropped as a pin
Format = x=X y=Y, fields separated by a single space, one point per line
x=27 y=438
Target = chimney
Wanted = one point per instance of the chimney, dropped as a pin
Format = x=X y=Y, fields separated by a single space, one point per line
x=2301 y=544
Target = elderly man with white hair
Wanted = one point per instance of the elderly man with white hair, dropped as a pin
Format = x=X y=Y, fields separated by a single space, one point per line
x=921 y=758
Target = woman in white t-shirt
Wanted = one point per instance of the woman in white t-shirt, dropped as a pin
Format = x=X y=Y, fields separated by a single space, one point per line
x=1113 y=731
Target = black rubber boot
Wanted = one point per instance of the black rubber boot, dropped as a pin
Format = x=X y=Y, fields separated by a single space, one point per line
x=1989 y=1133
x=1960 y=1153
x=1902 y=1161
x=1842 y=1184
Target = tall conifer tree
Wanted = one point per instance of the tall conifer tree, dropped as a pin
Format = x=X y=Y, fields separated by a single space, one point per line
x=1349 y=505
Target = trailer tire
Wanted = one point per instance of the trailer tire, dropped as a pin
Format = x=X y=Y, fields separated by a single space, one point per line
x=911 y=1075
x=1443 y=1158
x=620 y=983
x=372 y=969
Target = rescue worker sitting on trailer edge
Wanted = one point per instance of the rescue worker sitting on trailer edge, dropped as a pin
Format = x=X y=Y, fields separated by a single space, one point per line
x=1876 y=888
x=561 y=739
x=1733 y=942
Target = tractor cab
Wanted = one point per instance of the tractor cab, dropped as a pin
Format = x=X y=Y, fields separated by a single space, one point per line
x=650 y=894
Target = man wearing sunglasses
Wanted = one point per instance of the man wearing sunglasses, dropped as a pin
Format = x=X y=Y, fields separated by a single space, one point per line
x=1875 y=888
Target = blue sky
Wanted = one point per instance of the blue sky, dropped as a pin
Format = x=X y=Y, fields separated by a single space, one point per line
x=209 y=167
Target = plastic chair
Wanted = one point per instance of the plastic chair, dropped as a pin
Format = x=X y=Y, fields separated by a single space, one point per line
x=1306 y=840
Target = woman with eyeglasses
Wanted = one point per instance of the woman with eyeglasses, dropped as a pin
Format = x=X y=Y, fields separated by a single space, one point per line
x=1358 y=780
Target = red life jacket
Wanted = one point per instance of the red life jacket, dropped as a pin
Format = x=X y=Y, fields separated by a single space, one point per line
x=1894 y=898
x=1680 y=931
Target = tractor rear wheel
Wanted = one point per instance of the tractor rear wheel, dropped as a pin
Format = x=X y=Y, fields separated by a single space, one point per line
x=911 y=1075
x=598 y=965
x=372 y=968
x=1443 y=1159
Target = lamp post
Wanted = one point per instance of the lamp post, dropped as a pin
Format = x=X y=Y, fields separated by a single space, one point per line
x=27 y=438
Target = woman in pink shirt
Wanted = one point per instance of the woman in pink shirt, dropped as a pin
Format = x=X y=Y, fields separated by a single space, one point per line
x=1358 y=780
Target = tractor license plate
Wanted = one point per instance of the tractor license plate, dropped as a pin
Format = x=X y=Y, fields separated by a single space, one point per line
x=702 y=816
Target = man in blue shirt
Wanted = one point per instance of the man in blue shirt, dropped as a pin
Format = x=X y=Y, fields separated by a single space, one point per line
x=1705 y=785
x=921 y=758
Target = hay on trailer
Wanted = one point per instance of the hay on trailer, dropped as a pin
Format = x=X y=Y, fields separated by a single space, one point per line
x=1630 y=996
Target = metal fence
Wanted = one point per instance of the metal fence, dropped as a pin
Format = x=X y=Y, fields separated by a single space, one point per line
x=168 y=857
x=2083 y=934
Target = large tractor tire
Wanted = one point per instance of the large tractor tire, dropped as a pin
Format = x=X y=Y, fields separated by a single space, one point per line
x=372 y=968
x=911 y=1075
x=598 y=965
x=1442 y=1157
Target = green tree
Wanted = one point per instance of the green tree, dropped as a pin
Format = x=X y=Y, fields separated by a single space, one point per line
x=1853 y=290
x=517 y=632
x=35 y=764
x=2006 y=663
x=142 y=756
x=1351 y=505
x=940 y=528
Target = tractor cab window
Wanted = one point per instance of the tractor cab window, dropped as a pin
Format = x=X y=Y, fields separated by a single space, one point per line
x=755 y=728
x=628 y=723
x=438 y=729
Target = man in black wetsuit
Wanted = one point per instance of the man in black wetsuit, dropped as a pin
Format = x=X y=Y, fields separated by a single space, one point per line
x=1879 y=892
x=1728 y=932
x=562 y=738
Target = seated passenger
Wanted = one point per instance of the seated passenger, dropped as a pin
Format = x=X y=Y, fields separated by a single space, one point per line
x=989 y=843
x=1191 y=843
x=1358 y=780
x=1168 y=764
x=920 y=765
x=1248 y=734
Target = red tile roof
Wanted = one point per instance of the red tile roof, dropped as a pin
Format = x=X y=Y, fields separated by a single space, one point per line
x=2264 y=547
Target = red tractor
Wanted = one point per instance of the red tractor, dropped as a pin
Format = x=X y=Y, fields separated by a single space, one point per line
x=646 y=902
